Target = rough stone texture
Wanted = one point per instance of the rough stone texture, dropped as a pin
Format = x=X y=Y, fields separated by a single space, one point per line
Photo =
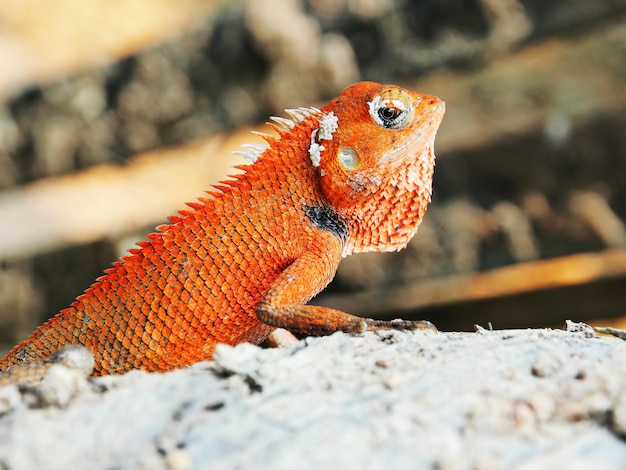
x=492 y=399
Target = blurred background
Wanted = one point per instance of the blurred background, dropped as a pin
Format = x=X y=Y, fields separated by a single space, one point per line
x=114 y=113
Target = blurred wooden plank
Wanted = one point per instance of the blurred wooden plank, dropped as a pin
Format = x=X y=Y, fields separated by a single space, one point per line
x=567 y=271
x=112 y=200
x=42 y=40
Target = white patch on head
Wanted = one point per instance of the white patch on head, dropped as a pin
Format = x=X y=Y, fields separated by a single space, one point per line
x=328 y=125
x=315 y=150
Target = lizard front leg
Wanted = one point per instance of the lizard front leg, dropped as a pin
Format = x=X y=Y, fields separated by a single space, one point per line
x=283 y=305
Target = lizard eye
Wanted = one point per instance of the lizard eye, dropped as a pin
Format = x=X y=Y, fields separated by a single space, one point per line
x=392 y=109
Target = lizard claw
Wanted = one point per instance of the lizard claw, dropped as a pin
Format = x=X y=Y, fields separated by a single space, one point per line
x=399 y=324
x=411 y=325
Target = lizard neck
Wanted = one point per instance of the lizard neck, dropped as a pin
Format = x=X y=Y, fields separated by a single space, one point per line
x=392 y=214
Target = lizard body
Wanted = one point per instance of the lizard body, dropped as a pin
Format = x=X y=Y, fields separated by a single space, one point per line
x=354 y=176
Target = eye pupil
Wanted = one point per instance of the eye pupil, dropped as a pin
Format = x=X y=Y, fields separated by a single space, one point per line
x=388 y=115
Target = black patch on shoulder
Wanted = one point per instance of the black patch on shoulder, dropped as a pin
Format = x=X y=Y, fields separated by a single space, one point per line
x=325 y=218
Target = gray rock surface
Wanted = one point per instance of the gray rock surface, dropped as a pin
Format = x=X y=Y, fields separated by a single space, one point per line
x=528 y=399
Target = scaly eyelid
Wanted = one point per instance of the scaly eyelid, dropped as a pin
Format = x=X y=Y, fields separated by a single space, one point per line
x=396 y=99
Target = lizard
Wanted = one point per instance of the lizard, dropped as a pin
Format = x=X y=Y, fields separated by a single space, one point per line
x=353 y=176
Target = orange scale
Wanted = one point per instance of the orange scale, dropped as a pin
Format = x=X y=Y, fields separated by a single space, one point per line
x=220 y=300
x=244 y=265
x=183 y=334
x=203 y=274
x=136 y=339
x=241 y=229
x=174 y=265
x=249 y=228
x=169 y=321
x=173 y=339
x=144 y=260
x=119 y=334
x=114 y=328
x=214 y=270
x=236 y=241
x=146 y=280
x=159 y=280
x=238 y=259
x=132 y=322
x=171 y=276
x=99 y=294
x=231 y=278
x=161 y=314
x=178 y=239
x=156 y=335
x=108 y=320
x=196 y=244
x=129 y=304
x=225 y=286
x=114 y=354
x=209 y=234
x=145 y=337
x=142 y=289
x=201 y=253
x=136 y=311
x=181 y=259
x=258 y=237
x=145 y=310
x=189 y=283
x=195 y=292
x=206 y=292
x=228 y=259
x=192 y=304
x=168 y=291
x=218 y=279
x=153 y=254
x=238 y=211
x=194 y=322
x=148 y=326
x=155 y=305
x=98 y=320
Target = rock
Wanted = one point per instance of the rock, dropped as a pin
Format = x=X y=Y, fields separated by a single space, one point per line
x=493 y=399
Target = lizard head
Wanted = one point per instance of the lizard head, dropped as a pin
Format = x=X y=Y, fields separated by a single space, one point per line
x=374 y=153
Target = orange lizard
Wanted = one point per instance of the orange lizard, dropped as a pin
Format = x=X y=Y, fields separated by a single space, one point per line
x=352 y=177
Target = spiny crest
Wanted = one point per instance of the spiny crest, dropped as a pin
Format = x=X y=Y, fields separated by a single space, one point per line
x=300 y=114
x=285 y=124
x=251 y=152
